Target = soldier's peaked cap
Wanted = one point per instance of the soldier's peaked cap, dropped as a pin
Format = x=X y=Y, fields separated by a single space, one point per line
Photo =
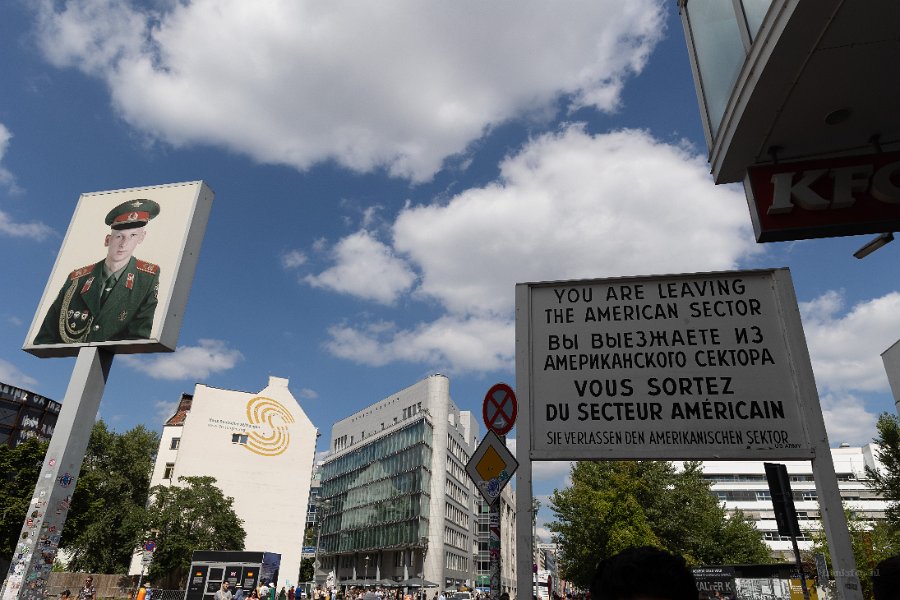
x=133 y=213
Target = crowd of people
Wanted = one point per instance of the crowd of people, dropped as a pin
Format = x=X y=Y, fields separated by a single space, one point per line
x=636 y=574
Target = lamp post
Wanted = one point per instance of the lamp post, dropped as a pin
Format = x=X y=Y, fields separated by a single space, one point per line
x=367 y=571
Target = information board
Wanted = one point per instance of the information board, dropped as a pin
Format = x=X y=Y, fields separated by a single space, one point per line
x=700 y=366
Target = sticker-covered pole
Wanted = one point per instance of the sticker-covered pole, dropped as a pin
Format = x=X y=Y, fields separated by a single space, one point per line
x=37 y=545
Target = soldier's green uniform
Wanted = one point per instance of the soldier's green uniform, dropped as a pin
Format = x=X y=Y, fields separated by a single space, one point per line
x=77 y=316
x=97 y=306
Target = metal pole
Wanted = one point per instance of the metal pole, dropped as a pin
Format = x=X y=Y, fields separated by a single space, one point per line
x=800 y=567
x=494 y=541
x=524 y=508
x=37 y=544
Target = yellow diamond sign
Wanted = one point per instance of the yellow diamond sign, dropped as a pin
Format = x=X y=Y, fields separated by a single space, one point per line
x=491 y=467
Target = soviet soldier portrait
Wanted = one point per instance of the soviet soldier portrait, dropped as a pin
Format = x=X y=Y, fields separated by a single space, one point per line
x=115 y=298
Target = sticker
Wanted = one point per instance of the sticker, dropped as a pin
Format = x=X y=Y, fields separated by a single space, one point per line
x=66 y=480
x=52 y=462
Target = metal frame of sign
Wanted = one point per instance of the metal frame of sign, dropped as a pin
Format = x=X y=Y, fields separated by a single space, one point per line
x=489 y=399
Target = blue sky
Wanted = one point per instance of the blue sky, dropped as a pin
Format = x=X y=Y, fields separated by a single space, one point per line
x=384 y=174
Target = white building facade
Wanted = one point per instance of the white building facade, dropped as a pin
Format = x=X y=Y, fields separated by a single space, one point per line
x=400 y=504
x=742 y=485
x=260 y=448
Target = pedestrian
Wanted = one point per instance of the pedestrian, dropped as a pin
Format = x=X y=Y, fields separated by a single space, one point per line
x=272 y=590
x=88 y=591
x=254 y=595
x=65 y=595
x=238 y=593
x=142 y=592
x=264 y=591
x=644 y=572
x=282 y=595
x=224 y=593
x=291 y=593
x=886 y=579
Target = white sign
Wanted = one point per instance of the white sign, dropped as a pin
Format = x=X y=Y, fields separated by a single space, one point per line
x=700 y=366
x=146 y=558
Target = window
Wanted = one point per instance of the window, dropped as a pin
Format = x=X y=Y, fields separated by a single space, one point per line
x=175 y=443
x=167 y=472
x=763 y=496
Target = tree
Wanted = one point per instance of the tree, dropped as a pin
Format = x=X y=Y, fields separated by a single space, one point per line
x=871 y=543
x=614 y=505
x=107 y=520
x=193 y=515
x=19 y=471
x=306 y=570
x=887 y=482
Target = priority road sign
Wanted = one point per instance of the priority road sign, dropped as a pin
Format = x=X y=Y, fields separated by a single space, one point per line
x=500 y=409
x=491 y=467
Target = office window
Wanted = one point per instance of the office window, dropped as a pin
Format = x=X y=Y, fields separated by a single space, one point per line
x=167 y=472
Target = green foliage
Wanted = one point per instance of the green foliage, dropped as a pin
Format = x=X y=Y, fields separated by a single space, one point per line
x=193 y=515
x=306 y=570
x=19 y=471
x=871 y=543
x=887 y=482
x=614 y=505
x=107 y=519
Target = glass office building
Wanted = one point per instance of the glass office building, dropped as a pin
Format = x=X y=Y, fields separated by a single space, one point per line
x=398 y=503
x=379 y=493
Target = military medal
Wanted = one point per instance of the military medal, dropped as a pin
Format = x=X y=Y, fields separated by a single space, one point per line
x=123 y=314
x=87 y=285
x=129 y=281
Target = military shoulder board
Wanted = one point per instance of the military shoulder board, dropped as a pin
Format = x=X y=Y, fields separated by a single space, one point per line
x=78 y=273
x=146 y=267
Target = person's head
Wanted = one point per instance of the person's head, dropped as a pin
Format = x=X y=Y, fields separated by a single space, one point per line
x=644 y=573
x=126 y=230
x=224 y=586
x=88 y=581
x=65 y=594
x=886 y=579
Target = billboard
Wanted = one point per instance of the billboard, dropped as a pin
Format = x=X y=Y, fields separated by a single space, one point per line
x=849 y=195
x=122 y=276
x=701 y=366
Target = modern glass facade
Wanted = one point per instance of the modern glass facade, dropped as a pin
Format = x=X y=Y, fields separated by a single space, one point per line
x=721 y=33
x=379 y=492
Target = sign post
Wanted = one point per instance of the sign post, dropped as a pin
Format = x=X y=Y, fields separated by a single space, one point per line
x=86 y=313
x=706 y=366
x=494 y=467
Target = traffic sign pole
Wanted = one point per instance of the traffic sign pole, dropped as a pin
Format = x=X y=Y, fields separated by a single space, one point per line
x=499 y=412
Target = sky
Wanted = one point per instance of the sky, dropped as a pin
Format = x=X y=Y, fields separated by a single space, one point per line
x=384 y=174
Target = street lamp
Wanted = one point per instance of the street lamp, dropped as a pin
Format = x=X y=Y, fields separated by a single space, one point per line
x=879 y=242
x=367 y=571
x=424 y=542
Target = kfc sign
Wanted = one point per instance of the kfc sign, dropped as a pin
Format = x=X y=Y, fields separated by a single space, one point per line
x=825 y=198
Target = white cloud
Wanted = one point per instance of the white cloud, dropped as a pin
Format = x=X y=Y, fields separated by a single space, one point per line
x=569 y=205
x=188 y=362
x=8 y=225
x=293 y=259
x=449 y=344
x=165 y=409
x=399 y=85
x=366 y=268
x=11 y=374
x=847 y=420
x=845 y=348
x=308 y=394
